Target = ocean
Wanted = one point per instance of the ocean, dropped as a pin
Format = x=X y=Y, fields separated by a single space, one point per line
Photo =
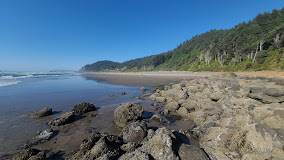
x=22 y=93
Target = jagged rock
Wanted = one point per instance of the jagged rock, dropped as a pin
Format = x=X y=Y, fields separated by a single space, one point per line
x=135 y=155
x=67 y=117
x=160 y=145
x=99 y=146
x=142 y=89
x=82 y=108
x=249 y=140
x=129 y=147
x=44 y=136
x=172 y=106
x=216 y=96
x=134 y=132
x=126 y=113
x=189 y=152
x=156 y=118
x=28 y=154
x=43 y=113
x=266 y=95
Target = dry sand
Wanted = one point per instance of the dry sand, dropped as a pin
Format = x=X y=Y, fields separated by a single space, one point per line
x=167 y=77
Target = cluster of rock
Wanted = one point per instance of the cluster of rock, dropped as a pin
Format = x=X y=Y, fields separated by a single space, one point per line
x=137 y=141
x=235 y=118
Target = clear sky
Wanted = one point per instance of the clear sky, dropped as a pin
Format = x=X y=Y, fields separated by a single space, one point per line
x=42 y=35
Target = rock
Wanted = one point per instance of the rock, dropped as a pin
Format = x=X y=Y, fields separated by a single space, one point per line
x=134 y=132
x=156 y=118
x=172 y=106
x=183 y=112
x=206 y=91
x=146 y=94
x=122 y=93
x=135 y=155
x=274 y=92
x=67 y=117
x=126 y=113
x=174 y=94
x=216 y=96
x=83 y=108
x=99 y=146
x=177 y=86
x=192 y=89
x=165 y=112
x=142 y=89
x=29 y=153
x=129 y=147
x=230 y=75
x=160 y=99
x=189 y=104
x=189 y=152
x=43 y=113
x=249 y=140
x=274 y=121
x=252 y=157
x=160 y=145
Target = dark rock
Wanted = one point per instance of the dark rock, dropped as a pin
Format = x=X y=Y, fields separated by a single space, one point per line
x=135 y=155
x=66 y=118
x=134 y=132
x=122 y=93
x=190 y=152
x=99 y=146
x=82 y=108
x=126 y=113
x=28 y=154
x=43 y=113
x=156 y=118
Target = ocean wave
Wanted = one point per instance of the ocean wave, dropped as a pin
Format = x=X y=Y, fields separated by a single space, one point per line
x=2 y=84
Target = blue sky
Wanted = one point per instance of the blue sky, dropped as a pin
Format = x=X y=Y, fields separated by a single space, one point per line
x=42 y=35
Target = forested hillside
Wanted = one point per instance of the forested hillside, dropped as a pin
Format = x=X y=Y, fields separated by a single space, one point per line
x=254 y=45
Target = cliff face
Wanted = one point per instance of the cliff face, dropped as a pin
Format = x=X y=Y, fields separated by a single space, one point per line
x=255 y=45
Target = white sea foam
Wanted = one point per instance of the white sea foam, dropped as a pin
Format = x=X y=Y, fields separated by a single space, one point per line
x=2 y=84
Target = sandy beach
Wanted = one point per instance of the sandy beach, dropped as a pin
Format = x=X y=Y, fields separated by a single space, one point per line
x=167 y=77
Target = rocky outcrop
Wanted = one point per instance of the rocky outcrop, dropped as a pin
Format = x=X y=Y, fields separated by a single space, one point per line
x=134 y=132
x=43 y=113
x=66 y=118
x=99 y=146
x=235 y=118
x=126 y=113
x=83 y=108
x=29 y=154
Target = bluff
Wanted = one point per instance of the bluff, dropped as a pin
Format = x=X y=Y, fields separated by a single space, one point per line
x=249 y=46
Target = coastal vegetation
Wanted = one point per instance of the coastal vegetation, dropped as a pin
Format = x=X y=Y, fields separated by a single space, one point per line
x=249 y=46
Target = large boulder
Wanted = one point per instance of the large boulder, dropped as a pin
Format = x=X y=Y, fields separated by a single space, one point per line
x=134 y=132
x=175 y=94
x=83 y=108
x=190 y=152
x=66 y=118
x=43 y=113
x=216 y=96
x=126 y=113
x=249 y=139
x=189 y=104
x=160 y=145
x=183 y=112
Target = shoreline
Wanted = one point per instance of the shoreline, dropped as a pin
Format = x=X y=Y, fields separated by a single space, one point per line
x=152 y=79
x=198 y=104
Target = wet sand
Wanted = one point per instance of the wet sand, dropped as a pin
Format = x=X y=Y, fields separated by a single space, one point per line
x=167 y=77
